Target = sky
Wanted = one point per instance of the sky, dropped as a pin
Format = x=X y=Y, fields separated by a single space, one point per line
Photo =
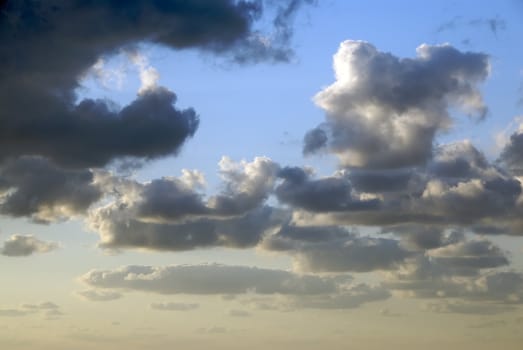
x=288 y=174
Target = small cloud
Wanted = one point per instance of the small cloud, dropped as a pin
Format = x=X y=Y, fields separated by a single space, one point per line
x=48 y=309
x=98 y=295
x=174 y=306
x=25 y=245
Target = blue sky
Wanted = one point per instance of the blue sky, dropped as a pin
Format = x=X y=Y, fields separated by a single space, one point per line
x=402 y=225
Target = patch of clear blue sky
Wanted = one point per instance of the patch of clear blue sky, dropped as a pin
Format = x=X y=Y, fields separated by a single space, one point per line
x=265 y=109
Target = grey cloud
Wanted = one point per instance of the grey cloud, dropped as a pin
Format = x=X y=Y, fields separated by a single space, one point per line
x=512 y=155
x=314 y=140
x=426 y=237
x=25 y=245
x=384 y=112
x=209 y=279
x=380 y=181
x=174 y=306
x=334 y=249
x=48 y=309
x=459 y=160
x=466 y=277
x=245 y=187
x=458 y=187
x=40 y=115
x=172 y=214
x=99 y=295
x=319 y=195
x=169 y=199
x=117 y=229
x=35 y=187
x=477 y=254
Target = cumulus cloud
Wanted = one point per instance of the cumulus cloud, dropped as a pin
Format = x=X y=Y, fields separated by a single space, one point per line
x=334 y=249
x=321 y=195
x=384 y=111
x=456 y=187
x=35 y=187
x=25 y=245
x=172 y=214
x=119 y=230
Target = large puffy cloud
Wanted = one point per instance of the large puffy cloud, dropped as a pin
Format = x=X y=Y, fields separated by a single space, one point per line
x=25 y=245
x=334 y=249
x=35 y=187
x=384 y=112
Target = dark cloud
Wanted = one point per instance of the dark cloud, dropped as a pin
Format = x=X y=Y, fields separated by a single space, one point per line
x=334 y=249
x=322 y=195
x=425 y=237
x=25 y=245
x=512 y=155
x=49 y=45
x=458 y=161
x=35 y=187
x=384 y=111
x=380 y=181
x=314 y=140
